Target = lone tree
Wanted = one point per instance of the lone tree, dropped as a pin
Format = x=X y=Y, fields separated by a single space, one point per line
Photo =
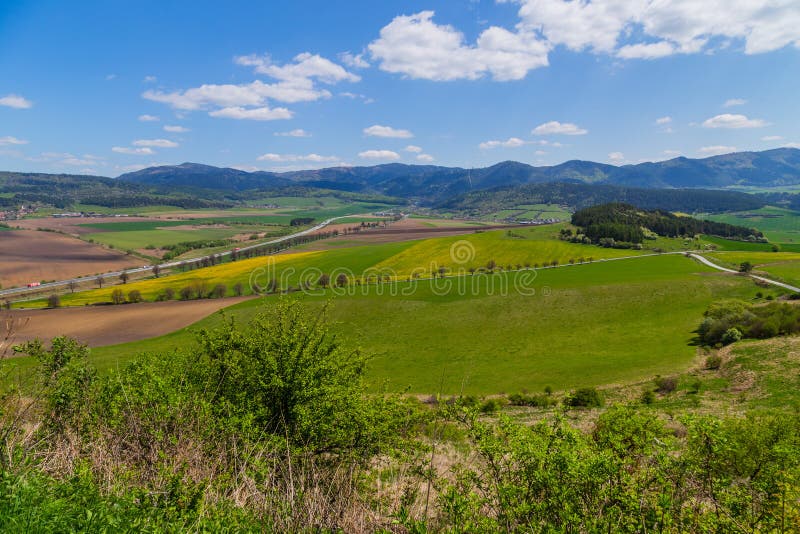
x=324 y=280
x=124 y=276
x=156 y=270
x=72 y=284
x=53 y=301
x=341 y=280
x=117 y=296
x=99 y=281
x=745 y=267
x=219 y=291
x=238 y=289
x=135 y=296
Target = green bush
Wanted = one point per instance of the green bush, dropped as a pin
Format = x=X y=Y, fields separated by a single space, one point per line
x=584 y=398
x=714 y=362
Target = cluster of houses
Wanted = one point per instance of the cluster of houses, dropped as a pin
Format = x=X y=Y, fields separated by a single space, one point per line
x=12 y=214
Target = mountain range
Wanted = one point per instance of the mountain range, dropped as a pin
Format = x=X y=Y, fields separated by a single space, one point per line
x=431 y=183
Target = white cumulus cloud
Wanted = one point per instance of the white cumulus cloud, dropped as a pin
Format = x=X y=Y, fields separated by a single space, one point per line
x=387 y=131
x=716 y=150
x=313 y=158
x=379 y=154
x=175 y=129
x=11 y=140
x=254 y=114
x=655 y=28
x=616 y=157
x=413 y=149
x=133 y=151
x=297 y=132
x=15 y=101
x=425 y=158
x=148 y=118
x=558 y=128
x=160 y=143
x=772 y=138
x=734 y=102
x=296 y=81
x=733 y=121
x=663 y=120
x=417 y=47
x=511 y=142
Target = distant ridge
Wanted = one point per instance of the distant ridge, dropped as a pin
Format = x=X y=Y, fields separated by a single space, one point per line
x=770 y=168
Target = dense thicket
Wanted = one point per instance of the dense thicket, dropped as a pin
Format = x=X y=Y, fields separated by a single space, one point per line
x=731 y=320
x=579 y=196
x=624 y=222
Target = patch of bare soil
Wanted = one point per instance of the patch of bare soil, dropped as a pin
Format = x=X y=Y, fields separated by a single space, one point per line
x=29 y=256
x=109 y=325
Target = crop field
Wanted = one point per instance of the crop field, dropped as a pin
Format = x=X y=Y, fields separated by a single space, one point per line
x=138 y=234
x=518 y=246
x=397 y=260
x=532 y=211
x=31 y=256
x=139 y=239
x=778 y=224
x=591 y=324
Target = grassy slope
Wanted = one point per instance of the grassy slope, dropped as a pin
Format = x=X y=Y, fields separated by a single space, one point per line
x=519 y=246
x=781 y=225
x=586 y=325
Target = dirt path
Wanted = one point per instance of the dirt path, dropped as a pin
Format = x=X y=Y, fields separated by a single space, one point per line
x=109 y=325
x=704 y=261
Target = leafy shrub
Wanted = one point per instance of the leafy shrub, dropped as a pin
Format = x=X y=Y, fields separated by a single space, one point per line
x=714 y=362
x=648 y=397
x=134 y=296
x=752 y=321
x=584 y=398
x=491 y=405
x=731 y=335
x=539 y=401
x=666 y=384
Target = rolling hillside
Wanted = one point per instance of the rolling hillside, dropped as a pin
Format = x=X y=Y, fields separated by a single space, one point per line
x=770 y=168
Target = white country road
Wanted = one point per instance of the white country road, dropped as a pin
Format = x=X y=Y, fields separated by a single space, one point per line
x=705 y=261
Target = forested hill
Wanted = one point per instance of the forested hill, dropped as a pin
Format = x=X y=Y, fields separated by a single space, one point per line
x=584 y=195
x=431 y=183
x=623 y=222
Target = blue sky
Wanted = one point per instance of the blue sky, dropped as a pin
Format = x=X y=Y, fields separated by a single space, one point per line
x=280 y=85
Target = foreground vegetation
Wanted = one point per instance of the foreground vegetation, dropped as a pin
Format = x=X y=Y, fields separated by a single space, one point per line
x=271 y=427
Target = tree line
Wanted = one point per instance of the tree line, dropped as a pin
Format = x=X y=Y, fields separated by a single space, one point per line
x=625 y=222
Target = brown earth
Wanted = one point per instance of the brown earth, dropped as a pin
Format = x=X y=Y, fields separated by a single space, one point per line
x=29 y=256
x=109 y=325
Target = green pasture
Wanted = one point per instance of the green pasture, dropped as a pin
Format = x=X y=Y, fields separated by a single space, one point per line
x=778 y=224
x=583 y=325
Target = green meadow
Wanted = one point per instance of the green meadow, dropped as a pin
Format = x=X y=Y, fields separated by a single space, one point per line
x=778 y=224
x=583 y=325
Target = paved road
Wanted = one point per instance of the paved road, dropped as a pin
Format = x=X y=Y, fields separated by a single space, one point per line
x=17 y=291
x=703 y=260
